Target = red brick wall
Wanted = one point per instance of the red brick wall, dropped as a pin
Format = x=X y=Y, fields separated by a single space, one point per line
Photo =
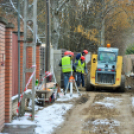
x=8 y=74
x=2 y=77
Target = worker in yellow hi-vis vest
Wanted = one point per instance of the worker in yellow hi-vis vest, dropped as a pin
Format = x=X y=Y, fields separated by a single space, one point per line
x=81 y=68
x=67 y=67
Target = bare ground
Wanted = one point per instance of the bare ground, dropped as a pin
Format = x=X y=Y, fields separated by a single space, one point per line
x=100 y=113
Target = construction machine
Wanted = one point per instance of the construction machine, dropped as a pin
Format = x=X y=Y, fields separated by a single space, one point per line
x=106 y=70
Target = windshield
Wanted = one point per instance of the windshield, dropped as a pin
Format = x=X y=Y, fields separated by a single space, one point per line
x=107 y=57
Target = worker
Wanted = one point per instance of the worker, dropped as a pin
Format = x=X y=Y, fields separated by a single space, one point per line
x=66 y=66
x=83 y=53
x=81 y=68
x=78 y=59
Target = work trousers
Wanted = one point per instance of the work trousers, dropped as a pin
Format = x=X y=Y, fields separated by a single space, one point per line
x=79 y=78
x=66 y=79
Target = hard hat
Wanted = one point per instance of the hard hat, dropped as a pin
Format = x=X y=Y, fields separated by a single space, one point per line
x=85 y=51
x=83 y=58
x=72 y=54
x=66 y=53
x=108 y=45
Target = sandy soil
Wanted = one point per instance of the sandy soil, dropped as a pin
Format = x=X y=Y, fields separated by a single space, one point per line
x=100 y=113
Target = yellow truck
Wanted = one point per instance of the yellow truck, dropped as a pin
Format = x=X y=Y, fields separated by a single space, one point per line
x=106 y=70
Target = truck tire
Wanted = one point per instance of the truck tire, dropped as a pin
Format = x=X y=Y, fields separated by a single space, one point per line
x=122 y=85
x=89 y=87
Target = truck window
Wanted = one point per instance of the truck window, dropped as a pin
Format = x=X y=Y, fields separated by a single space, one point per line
x=107 y=57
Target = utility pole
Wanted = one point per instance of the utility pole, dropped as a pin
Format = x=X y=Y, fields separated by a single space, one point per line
x=27 y=20
x=48 y=33
x=34 y=53
x=103 y=41
x=18 y=5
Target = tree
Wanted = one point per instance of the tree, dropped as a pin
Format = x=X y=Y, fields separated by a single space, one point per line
x=84 y=24
x=118 y=22
x=130 y=49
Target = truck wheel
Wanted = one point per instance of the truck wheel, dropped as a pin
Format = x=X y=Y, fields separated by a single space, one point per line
x=89 y=87
x=122 y=85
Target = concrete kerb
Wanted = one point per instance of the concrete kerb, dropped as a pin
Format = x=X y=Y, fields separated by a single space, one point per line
x=20 y=125
x=19 y=128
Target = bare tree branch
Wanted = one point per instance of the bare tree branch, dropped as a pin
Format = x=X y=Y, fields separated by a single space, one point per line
x=60 y=7
x=22 y=18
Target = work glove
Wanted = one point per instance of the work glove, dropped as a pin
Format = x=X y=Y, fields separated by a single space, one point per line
x=74 y=67
x=75 y=77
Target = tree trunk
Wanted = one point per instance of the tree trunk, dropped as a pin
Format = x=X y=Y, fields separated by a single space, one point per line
x=72 y=15
x=103 y=33
x=103 y=25
x=55 y=24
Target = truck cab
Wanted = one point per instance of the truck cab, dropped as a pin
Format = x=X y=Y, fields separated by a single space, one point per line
x=106 y=66
x=105 y=70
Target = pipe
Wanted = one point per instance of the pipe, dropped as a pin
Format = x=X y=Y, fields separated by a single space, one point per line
x=18 y=4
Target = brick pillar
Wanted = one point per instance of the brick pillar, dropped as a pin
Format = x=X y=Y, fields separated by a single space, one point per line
x=21 y=63
x=38 y=62
x=8 y=73
x=2 y=73
x=29 y=63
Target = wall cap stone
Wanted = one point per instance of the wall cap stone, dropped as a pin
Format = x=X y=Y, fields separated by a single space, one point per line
x=16 y=32
x=14 y=100
x=4 y=21
x=9 y=25
x=38 y=43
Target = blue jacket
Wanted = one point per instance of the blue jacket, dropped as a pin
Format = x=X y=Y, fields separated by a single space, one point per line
x=78 y=56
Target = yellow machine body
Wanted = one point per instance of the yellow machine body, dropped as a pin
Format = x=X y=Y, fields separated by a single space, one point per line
x=94 y=68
